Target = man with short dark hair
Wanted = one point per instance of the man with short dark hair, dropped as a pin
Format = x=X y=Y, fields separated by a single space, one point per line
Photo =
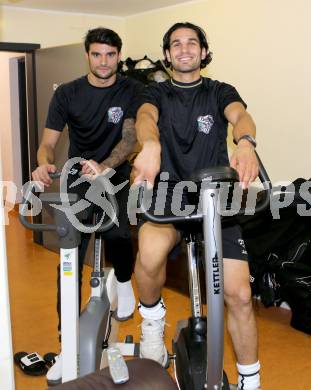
x=99 y=110
x=182 y=127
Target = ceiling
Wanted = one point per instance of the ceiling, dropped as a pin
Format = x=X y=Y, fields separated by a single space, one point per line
x=119 y=8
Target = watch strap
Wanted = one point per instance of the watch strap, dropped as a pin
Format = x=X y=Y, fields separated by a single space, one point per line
x=249 y=138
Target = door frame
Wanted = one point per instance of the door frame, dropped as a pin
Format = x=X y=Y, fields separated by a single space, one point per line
x=29 y=50
x=31 y=106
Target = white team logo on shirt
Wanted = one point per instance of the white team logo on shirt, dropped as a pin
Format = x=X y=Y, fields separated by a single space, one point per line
x=205 y=123
x=242 y=244
x=115 y=114
x=73 y=171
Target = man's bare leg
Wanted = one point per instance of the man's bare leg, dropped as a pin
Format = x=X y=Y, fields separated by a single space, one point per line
x=241 y=321
x=155 y=243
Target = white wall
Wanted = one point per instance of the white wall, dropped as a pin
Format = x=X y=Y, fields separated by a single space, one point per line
x=9 y=118
x=51 y=28
x=263 y=48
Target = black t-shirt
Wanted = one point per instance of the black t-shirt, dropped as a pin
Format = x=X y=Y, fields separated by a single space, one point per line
x=193 y=128
x=94 y=115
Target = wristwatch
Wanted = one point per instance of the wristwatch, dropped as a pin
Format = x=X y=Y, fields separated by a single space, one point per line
x=249 y=138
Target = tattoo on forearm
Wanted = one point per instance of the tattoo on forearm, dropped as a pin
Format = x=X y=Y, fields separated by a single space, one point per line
x=125 y=147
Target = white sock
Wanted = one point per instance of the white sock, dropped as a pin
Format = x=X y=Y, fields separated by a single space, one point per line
x=126 y=299
x=249 y=378
x=156 y=312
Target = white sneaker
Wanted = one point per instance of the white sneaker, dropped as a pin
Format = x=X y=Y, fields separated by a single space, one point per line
x=54 y=375
x=235 y=387
x=111 y=288
x=152 y=341
x=126 y=301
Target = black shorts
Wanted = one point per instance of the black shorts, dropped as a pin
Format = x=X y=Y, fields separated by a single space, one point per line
x=233 y=246
x=164 y=203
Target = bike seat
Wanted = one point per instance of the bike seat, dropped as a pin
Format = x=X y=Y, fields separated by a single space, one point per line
x=216 y=174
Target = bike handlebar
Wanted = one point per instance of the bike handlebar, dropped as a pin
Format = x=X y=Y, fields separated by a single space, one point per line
x=72 y=198
x=230 y=175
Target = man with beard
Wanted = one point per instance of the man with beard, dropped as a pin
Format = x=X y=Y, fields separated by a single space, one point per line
x=99 y=110
x=182 y=127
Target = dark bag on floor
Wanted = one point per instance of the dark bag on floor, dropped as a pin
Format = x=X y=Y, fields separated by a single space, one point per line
x=269 y=290
x=289 y=262
x=267 y=254
x=295 y=289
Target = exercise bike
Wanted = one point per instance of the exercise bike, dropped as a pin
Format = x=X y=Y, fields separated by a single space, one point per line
x=83 y=337
x=198 y=344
